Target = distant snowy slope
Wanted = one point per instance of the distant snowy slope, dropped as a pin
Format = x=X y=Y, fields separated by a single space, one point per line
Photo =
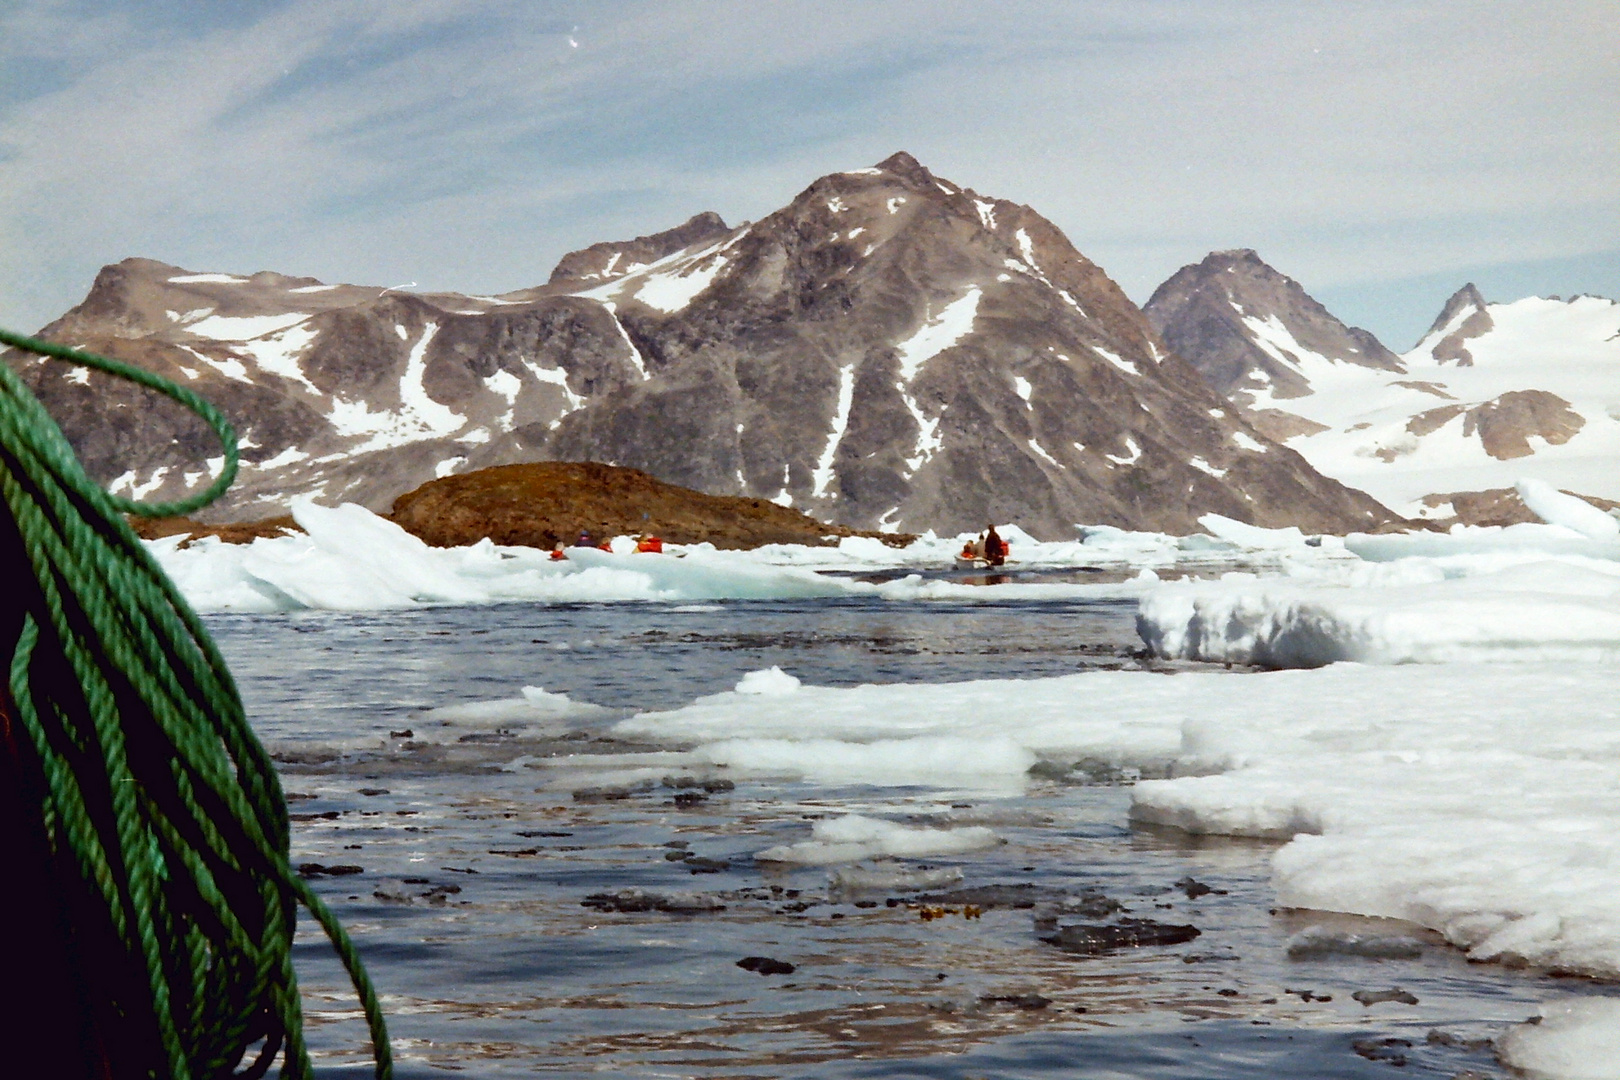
x=1493 y=393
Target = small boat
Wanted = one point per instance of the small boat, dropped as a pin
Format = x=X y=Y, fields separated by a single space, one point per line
x=978 y=563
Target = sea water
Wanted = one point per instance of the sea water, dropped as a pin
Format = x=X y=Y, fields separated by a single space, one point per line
x=492 y=880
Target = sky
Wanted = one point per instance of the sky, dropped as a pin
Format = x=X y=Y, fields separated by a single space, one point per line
x=1381 y=153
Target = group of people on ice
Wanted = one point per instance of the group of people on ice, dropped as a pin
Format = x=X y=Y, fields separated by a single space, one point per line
x=646 y=543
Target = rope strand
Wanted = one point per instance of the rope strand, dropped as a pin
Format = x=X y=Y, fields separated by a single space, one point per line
x=158 y=795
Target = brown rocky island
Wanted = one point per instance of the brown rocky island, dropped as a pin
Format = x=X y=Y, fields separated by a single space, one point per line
x=544 y=503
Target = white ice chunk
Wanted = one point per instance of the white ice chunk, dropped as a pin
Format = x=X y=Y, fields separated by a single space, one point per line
x=771 y=682
x=536 y=711
x=854 y=837
x=1556 y=508
x=1576 y=1039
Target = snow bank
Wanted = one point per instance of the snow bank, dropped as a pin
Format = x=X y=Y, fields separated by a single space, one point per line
x=1479 y=800
x=854 y=837
x=1544 y=609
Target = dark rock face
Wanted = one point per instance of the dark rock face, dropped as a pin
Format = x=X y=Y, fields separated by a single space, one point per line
x=887 y=351
x=1208 y=313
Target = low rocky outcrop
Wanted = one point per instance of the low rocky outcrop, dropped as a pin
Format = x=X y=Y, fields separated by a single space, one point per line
x=546 y=503
x=1506 y=424
x=1494 y=506
x=238 y=532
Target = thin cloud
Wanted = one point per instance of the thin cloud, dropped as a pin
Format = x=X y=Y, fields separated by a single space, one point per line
x=467 y=144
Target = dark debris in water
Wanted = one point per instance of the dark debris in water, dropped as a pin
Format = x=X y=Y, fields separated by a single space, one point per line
x=1391 y=1050
x=1097 y=939
x=612 y=794
x=1195 y=888
x=766 y=965
x=315 y=869
x=405 y=891
x=1378 y=997
x=633 y=901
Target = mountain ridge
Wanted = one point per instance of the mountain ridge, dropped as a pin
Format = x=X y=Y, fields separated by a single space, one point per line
x=888 y=350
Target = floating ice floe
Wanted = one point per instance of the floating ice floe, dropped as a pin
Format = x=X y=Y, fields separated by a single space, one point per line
x=1572 y=1039
x=536 y=712
x=854 y=837
x=1478 y=800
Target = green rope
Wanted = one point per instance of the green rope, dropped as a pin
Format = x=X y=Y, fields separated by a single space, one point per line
x=156 y=793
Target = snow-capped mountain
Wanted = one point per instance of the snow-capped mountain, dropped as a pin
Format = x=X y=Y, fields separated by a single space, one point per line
x=889 y=350
x=1493 y=392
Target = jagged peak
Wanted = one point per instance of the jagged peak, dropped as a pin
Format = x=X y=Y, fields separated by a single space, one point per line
x=1235 y=255
x=1462 y=300
x=587 y=262
x=906 y=167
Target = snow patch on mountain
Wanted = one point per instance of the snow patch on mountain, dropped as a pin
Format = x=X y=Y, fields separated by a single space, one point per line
x=242 y=328
x=951 y=325
x=823 y=473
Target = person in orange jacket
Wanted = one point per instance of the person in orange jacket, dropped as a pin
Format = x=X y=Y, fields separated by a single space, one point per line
x=649 y=543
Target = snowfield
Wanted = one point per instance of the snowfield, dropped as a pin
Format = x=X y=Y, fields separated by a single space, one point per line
x=1401 y=435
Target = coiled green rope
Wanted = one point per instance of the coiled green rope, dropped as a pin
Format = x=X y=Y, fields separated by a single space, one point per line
x=158 y=802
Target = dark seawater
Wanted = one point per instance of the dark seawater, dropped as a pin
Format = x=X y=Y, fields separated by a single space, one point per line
x=468 y=904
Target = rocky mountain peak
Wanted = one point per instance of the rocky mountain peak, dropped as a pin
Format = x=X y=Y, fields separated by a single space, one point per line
x=1464 y=316
x=610 y=259
x=1254 y=332
x=907 y=168
x=1459 y=306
